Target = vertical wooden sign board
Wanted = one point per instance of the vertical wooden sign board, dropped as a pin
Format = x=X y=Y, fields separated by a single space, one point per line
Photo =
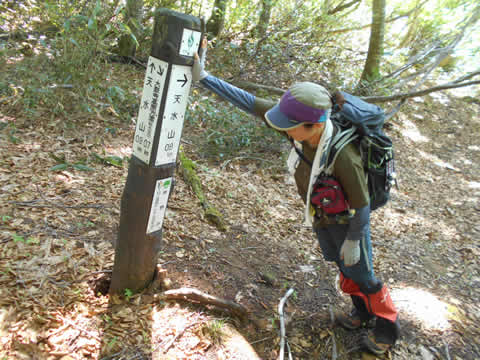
x=168 y=79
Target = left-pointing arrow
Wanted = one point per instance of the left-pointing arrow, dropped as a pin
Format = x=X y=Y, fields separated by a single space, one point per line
x=184 y=80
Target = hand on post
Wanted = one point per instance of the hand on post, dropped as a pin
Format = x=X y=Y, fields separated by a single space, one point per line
x=198 y=71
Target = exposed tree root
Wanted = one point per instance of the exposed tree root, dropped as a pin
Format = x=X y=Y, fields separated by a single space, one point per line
x=197 y=296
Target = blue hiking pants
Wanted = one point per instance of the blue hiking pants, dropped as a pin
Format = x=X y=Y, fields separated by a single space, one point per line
x=331 y=239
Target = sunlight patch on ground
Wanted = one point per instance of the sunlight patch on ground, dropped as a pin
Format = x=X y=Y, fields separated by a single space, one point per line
x=436 y=160
x=72 y=326
x=68 y=178
x=411 y=131
x=121 y=151
x=422 y=305
x=167 y=322
x=474 y=185
x=393 y=219
x=440 y=97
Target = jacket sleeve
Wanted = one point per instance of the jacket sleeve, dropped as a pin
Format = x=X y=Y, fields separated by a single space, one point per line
x=238 y=97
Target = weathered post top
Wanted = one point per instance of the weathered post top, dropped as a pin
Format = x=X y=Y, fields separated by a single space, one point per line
x=177 y=36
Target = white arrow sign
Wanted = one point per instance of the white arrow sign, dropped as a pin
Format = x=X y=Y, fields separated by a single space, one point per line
x=174 y=114
x=149 y=108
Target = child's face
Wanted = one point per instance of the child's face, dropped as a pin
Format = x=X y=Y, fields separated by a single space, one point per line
x=310 y=134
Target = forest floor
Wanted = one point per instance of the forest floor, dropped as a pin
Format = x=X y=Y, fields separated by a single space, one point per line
x=58 y=229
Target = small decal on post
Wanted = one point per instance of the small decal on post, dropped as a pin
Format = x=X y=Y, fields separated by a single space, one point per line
x=159 y=205
x=149 y=107
x=190 y=42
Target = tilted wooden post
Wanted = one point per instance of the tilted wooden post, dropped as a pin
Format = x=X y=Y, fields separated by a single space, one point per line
x=168 y=79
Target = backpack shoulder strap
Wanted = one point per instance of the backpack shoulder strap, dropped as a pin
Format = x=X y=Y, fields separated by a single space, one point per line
x=341 y=139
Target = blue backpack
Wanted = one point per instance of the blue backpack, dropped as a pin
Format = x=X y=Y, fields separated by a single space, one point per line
x=360 y=122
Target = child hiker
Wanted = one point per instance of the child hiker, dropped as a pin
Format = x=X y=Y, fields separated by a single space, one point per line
x=303 y=115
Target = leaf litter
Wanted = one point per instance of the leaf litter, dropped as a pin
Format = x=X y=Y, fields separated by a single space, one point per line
x=58 y=231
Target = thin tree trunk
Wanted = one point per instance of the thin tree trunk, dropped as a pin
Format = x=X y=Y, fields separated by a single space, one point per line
x=216 y=22
x=127 y=46
x=371 y=71
x=260 y=30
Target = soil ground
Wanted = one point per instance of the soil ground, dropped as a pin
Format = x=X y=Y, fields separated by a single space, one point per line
x=58 y=231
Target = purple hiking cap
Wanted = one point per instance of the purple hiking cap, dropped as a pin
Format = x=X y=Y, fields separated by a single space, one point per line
x=304 y=102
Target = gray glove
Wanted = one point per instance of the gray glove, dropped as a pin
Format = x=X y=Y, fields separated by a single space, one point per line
x=350 y=252
x=198 y=71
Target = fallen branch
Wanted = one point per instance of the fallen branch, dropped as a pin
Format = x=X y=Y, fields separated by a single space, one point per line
x=33 y=203
x=371 y=99
x=419 y=93
x=281 y=304
x=195 y=295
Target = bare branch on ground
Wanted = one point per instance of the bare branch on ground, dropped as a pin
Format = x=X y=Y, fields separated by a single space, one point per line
x=198 y=296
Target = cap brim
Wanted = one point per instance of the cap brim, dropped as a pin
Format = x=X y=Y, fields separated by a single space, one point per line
x=277 y=120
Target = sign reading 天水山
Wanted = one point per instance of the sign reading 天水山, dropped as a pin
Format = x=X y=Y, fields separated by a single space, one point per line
x=174 y=114
x=149 y=108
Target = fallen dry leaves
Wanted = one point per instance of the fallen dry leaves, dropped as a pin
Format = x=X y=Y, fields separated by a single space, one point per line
x=57 y=231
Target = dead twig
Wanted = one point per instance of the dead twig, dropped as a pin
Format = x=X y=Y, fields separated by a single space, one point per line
x=195 y=295
x=290 y=357
x=334 y=347
x=75 y=326
x=332 y=316
x=281 y=304
x=224 y=165
x=178 y=335
x=334 y=343
x=259 y=341
x=447 y=352
x=33 y=203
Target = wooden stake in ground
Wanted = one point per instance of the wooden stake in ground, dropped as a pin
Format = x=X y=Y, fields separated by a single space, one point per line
x=168 y=78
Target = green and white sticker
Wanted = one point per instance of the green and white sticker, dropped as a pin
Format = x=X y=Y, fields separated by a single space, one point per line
x=190 y=42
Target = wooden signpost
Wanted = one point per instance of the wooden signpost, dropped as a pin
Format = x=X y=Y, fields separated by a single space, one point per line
x=168 y=79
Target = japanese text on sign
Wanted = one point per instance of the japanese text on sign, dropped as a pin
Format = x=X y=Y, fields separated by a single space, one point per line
x=149 y=107
x=159 y=205
x=173 y=116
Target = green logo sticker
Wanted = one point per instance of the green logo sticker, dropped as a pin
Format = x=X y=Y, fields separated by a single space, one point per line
x=191 y=40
